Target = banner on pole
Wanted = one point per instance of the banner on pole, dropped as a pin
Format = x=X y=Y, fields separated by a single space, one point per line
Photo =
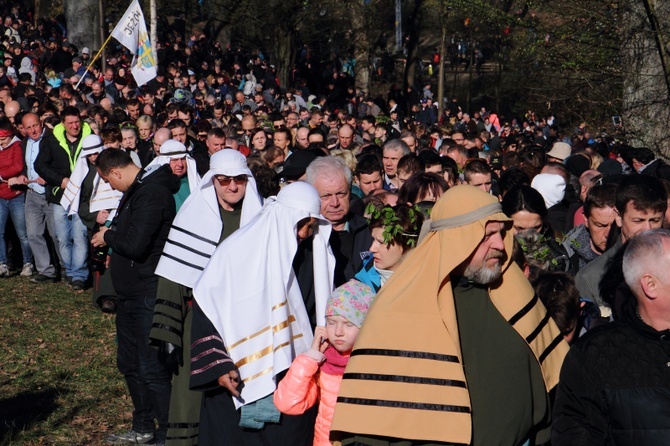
x=131 y=32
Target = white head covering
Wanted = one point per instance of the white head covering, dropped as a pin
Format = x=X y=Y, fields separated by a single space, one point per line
x=550 y=186
x=197 y=227
x=103 y=196
x=172 y=149
x=251 y=295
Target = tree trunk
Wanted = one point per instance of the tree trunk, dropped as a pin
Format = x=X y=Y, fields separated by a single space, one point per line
x=188 y=19
x=154 y=24
x=414 y=28
x=440 y=71
x=646 y=111
x=361 y=45
x=83 y=23
x=284 y=53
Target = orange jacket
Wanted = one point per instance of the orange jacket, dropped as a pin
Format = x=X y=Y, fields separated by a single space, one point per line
x=302 y=386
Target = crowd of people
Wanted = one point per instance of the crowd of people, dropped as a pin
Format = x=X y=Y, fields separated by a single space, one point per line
x=295 y=267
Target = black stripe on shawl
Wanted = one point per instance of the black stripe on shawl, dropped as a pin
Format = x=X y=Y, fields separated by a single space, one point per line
x=158 y=312
x=168 y=303
x=199 y=237
x=176 y=259
x=529 y=306
x=404 y=354
x=188 y=248
x=403 y=404
x=550 y=348
x=167 y=328
x=538 y=329
x=405 y=379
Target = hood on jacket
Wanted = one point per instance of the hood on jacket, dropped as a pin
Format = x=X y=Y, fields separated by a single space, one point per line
x=26 y=64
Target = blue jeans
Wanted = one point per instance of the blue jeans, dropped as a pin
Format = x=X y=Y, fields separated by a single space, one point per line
x=72 y=238
x=148 y=379
x=14 y=208
x=39 y=218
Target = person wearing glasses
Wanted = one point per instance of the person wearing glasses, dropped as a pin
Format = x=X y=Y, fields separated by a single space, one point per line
x=225 y=199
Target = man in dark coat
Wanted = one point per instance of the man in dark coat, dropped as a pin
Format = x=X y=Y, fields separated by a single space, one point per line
x=614 y=381
x=137 y=238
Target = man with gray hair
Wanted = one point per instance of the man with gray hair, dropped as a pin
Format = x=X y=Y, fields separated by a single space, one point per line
x=614 y=383
x=394 y=149
x=350 y=239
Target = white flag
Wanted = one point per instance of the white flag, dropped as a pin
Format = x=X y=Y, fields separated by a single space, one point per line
x=131 y=32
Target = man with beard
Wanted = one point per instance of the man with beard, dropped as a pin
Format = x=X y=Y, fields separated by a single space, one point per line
x=468 y=356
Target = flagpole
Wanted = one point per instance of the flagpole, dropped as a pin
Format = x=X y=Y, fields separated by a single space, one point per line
x=93 y=61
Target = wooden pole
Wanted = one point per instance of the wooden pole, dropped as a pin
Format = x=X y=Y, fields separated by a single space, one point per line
x=93 y=61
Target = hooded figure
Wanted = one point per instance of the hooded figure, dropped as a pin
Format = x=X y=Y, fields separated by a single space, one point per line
x=414 y=373
x=196 y=230
x=250 y=297
x=551 y=187
x=240 y=293
x=173 y=150
x=27 y=67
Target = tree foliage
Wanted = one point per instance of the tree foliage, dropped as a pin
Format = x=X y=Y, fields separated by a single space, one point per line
x=582 y=60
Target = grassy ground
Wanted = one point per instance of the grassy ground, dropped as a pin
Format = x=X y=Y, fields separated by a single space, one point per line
x=58 y=378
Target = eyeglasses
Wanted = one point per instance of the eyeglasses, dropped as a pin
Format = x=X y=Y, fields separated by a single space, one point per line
x=247 y=130
x=597 y=180
x=225 y=181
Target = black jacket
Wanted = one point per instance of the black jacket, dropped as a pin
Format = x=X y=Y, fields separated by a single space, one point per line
x=54 y=162
x=140 y=230
x=657 y=168
x=350 y=248
x=615 y=387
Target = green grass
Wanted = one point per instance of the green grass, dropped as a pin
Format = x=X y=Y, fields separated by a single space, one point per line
x=58 y=378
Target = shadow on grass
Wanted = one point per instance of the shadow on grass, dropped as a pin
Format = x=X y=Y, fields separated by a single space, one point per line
x=21 y=412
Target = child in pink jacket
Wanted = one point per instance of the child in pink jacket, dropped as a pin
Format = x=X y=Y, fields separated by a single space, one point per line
x=316 y=374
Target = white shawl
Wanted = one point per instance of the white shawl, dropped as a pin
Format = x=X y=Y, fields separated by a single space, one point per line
x=251 y=295
x=172 y=149
x=197 y=227
x=103 y=196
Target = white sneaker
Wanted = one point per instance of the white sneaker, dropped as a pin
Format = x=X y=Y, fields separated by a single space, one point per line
x=27 y=270
x=129 y=437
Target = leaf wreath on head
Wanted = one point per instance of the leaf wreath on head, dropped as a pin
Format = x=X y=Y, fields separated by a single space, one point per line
x=536 y=248
x=391 y=223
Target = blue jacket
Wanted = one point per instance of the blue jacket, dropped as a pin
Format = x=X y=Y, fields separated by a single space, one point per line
x=369 y=274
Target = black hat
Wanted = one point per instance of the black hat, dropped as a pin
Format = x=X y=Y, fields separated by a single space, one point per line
x=610 y=167
x=496 y=162
x=296 y=164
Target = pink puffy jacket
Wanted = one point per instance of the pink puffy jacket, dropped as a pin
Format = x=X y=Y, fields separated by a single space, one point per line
x=300 y=389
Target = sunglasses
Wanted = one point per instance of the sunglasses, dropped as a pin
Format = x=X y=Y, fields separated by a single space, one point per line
x=225 y=181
